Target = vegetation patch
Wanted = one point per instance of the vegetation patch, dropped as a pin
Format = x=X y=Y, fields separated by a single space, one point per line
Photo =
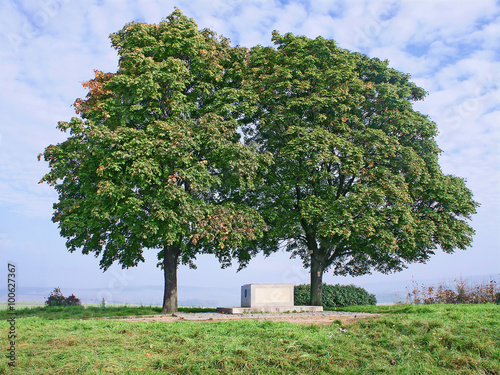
x=462 y=291
x=335 y=295
x=408 y=339
x=56 y=298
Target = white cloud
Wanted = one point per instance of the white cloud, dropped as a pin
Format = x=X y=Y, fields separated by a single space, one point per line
x=294 y=16
x=427 y=20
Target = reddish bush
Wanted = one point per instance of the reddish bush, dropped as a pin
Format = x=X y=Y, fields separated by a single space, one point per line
x=56 y=298
x=462 y=292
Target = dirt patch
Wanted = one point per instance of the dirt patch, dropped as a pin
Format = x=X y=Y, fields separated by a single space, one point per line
x=299 y=318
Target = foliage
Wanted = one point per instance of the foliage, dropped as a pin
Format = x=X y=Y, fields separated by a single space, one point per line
x=155 y=153
x=431 y=339
x=73 y=301
x=56 y=298
x=355 y=185
x=461 y=292
x=337 y=166
x=335 y=295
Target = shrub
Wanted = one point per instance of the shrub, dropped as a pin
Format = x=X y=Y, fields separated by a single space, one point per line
x=461 y=292
x=335 y=295
x=73 y=301
x=56 y=298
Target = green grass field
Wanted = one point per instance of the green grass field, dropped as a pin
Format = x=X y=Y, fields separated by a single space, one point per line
x=431 y=339
x=89 y=312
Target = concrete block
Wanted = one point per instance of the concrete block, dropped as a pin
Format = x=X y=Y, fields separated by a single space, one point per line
x=269 y=309
x=267 y=295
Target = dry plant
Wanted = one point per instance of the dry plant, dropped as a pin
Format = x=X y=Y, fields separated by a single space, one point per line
x=462 y=291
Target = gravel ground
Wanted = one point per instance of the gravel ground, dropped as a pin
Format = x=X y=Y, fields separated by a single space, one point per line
x=325 y=317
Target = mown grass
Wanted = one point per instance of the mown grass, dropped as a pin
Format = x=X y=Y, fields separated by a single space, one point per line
x=433 y=339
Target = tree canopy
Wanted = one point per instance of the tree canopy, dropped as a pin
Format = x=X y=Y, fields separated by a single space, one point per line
x=336 y=166
x=151 y=159
x=355 y=184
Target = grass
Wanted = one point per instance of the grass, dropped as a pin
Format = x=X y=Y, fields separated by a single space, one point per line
x=88 y=312
x=21 y=305
x=407 y=339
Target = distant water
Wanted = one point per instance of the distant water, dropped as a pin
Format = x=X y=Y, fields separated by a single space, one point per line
x=145 y=295
x=153 y=295
x=385 y=292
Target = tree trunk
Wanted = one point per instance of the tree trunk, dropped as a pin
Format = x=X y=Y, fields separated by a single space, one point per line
x=170 y=261
x=316 y=282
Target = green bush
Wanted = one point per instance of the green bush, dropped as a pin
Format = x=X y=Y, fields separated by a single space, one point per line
x=56 y=298
x=335 y=295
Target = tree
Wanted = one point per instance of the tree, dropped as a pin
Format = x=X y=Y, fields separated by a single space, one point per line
x=356 y=183
x=152 y=159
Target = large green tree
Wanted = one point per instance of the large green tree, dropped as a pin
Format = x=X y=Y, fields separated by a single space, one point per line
x=356 y=183
x=152 y=159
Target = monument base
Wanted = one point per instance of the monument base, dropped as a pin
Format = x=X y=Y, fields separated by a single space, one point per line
x=268 y=309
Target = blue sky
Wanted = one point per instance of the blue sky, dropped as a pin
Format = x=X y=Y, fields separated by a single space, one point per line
x=49 y=47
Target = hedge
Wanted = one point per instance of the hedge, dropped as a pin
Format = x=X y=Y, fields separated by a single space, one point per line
x=335 y=295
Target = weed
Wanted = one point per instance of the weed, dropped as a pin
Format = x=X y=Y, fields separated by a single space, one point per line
x=462 y=292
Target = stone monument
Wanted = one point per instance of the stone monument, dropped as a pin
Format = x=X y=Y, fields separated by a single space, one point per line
x=267 y=297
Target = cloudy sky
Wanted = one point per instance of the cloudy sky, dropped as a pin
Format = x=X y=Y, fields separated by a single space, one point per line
x=49 y=47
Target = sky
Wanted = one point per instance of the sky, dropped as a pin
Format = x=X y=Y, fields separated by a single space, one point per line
x=48 y=48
